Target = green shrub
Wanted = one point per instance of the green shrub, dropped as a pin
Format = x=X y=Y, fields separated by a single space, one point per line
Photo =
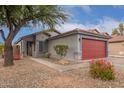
x=102 y=69
x=61 y=50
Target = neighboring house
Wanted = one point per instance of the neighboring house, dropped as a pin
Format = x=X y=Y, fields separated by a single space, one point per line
x=83 y=44
x=116 y=46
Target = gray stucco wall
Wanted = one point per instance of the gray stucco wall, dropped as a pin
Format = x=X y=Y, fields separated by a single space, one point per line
x=22 y=47
x=42 y=37
x=39 y=37
x=73 y=43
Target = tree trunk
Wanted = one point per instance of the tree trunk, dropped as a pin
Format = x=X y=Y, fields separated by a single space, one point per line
x=8 y=53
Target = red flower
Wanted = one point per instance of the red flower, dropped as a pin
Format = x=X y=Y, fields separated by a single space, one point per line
x=100 y=62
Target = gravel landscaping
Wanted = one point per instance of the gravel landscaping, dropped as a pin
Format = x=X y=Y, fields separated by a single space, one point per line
x=59 y=61
x=27 y=73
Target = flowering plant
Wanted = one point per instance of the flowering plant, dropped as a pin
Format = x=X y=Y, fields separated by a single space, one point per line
x=102 y=69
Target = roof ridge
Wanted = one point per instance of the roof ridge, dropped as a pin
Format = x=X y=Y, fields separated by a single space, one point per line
x=88 y=31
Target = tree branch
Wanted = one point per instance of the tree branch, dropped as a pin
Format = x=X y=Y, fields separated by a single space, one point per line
x=22 y=22
x=2 y=34
x=15 y=25
x=8 y=19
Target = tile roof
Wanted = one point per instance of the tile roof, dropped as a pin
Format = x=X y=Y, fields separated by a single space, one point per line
x=91 y=32
x=46 y=32
x=95 y=32
x=116 y=39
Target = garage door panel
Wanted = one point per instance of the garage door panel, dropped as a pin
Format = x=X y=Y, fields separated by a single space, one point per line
x=93 y=49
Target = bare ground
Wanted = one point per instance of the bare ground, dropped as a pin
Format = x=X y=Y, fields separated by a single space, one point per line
x=58 y=61
x=27 y=73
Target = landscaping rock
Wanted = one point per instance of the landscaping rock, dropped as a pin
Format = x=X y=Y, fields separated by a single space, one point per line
x=30 y=74
x=63 y=62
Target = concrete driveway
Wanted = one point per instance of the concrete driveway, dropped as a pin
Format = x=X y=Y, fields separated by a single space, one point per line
x=118 y=62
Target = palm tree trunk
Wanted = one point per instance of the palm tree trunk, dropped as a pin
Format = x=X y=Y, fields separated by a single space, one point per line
x=8 y=53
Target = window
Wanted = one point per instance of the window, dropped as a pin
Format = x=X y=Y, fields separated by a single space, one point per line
x=41 y=44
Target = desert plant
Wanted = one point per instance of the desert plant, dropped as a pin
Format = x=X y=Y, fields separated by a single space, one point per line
x=102 y=69
x=61 y=50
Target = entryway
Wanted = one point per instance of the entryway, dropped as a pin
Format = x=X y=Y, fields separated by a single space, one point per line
x=29 y=48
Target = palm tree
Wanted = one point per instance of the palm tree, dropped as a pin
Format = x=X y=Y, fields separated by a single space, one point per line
x=17 y=16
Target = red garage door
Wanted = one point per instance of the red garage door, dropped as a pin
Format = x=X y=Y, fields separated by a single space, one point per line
x=93 y=49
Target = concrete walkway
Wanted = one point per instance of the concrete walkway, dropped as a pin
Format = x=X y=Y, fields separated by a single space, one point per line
x=60 y=68
x=117 y=62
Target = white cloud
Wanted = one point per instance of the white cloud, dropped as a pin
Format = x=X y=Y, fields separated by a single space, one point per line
x=70 y=26
x=86 y=9
x=107 y=24
x=104 y=25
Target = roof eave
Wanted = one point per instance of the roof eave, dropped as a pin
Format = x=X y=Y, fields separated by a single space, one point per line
x=93 y=34
x=79 y=32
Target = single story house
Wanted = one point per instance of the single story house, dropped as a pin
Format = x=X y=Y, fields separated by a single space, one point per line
x=116 y=46
x=83 y=44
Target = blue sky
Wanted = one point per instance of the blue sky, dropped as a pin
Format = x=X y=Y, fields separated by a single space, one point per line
x=104 y=18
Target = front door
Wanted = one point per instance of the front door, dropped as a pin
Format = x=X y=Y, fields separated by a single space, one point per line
x=29 y=48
